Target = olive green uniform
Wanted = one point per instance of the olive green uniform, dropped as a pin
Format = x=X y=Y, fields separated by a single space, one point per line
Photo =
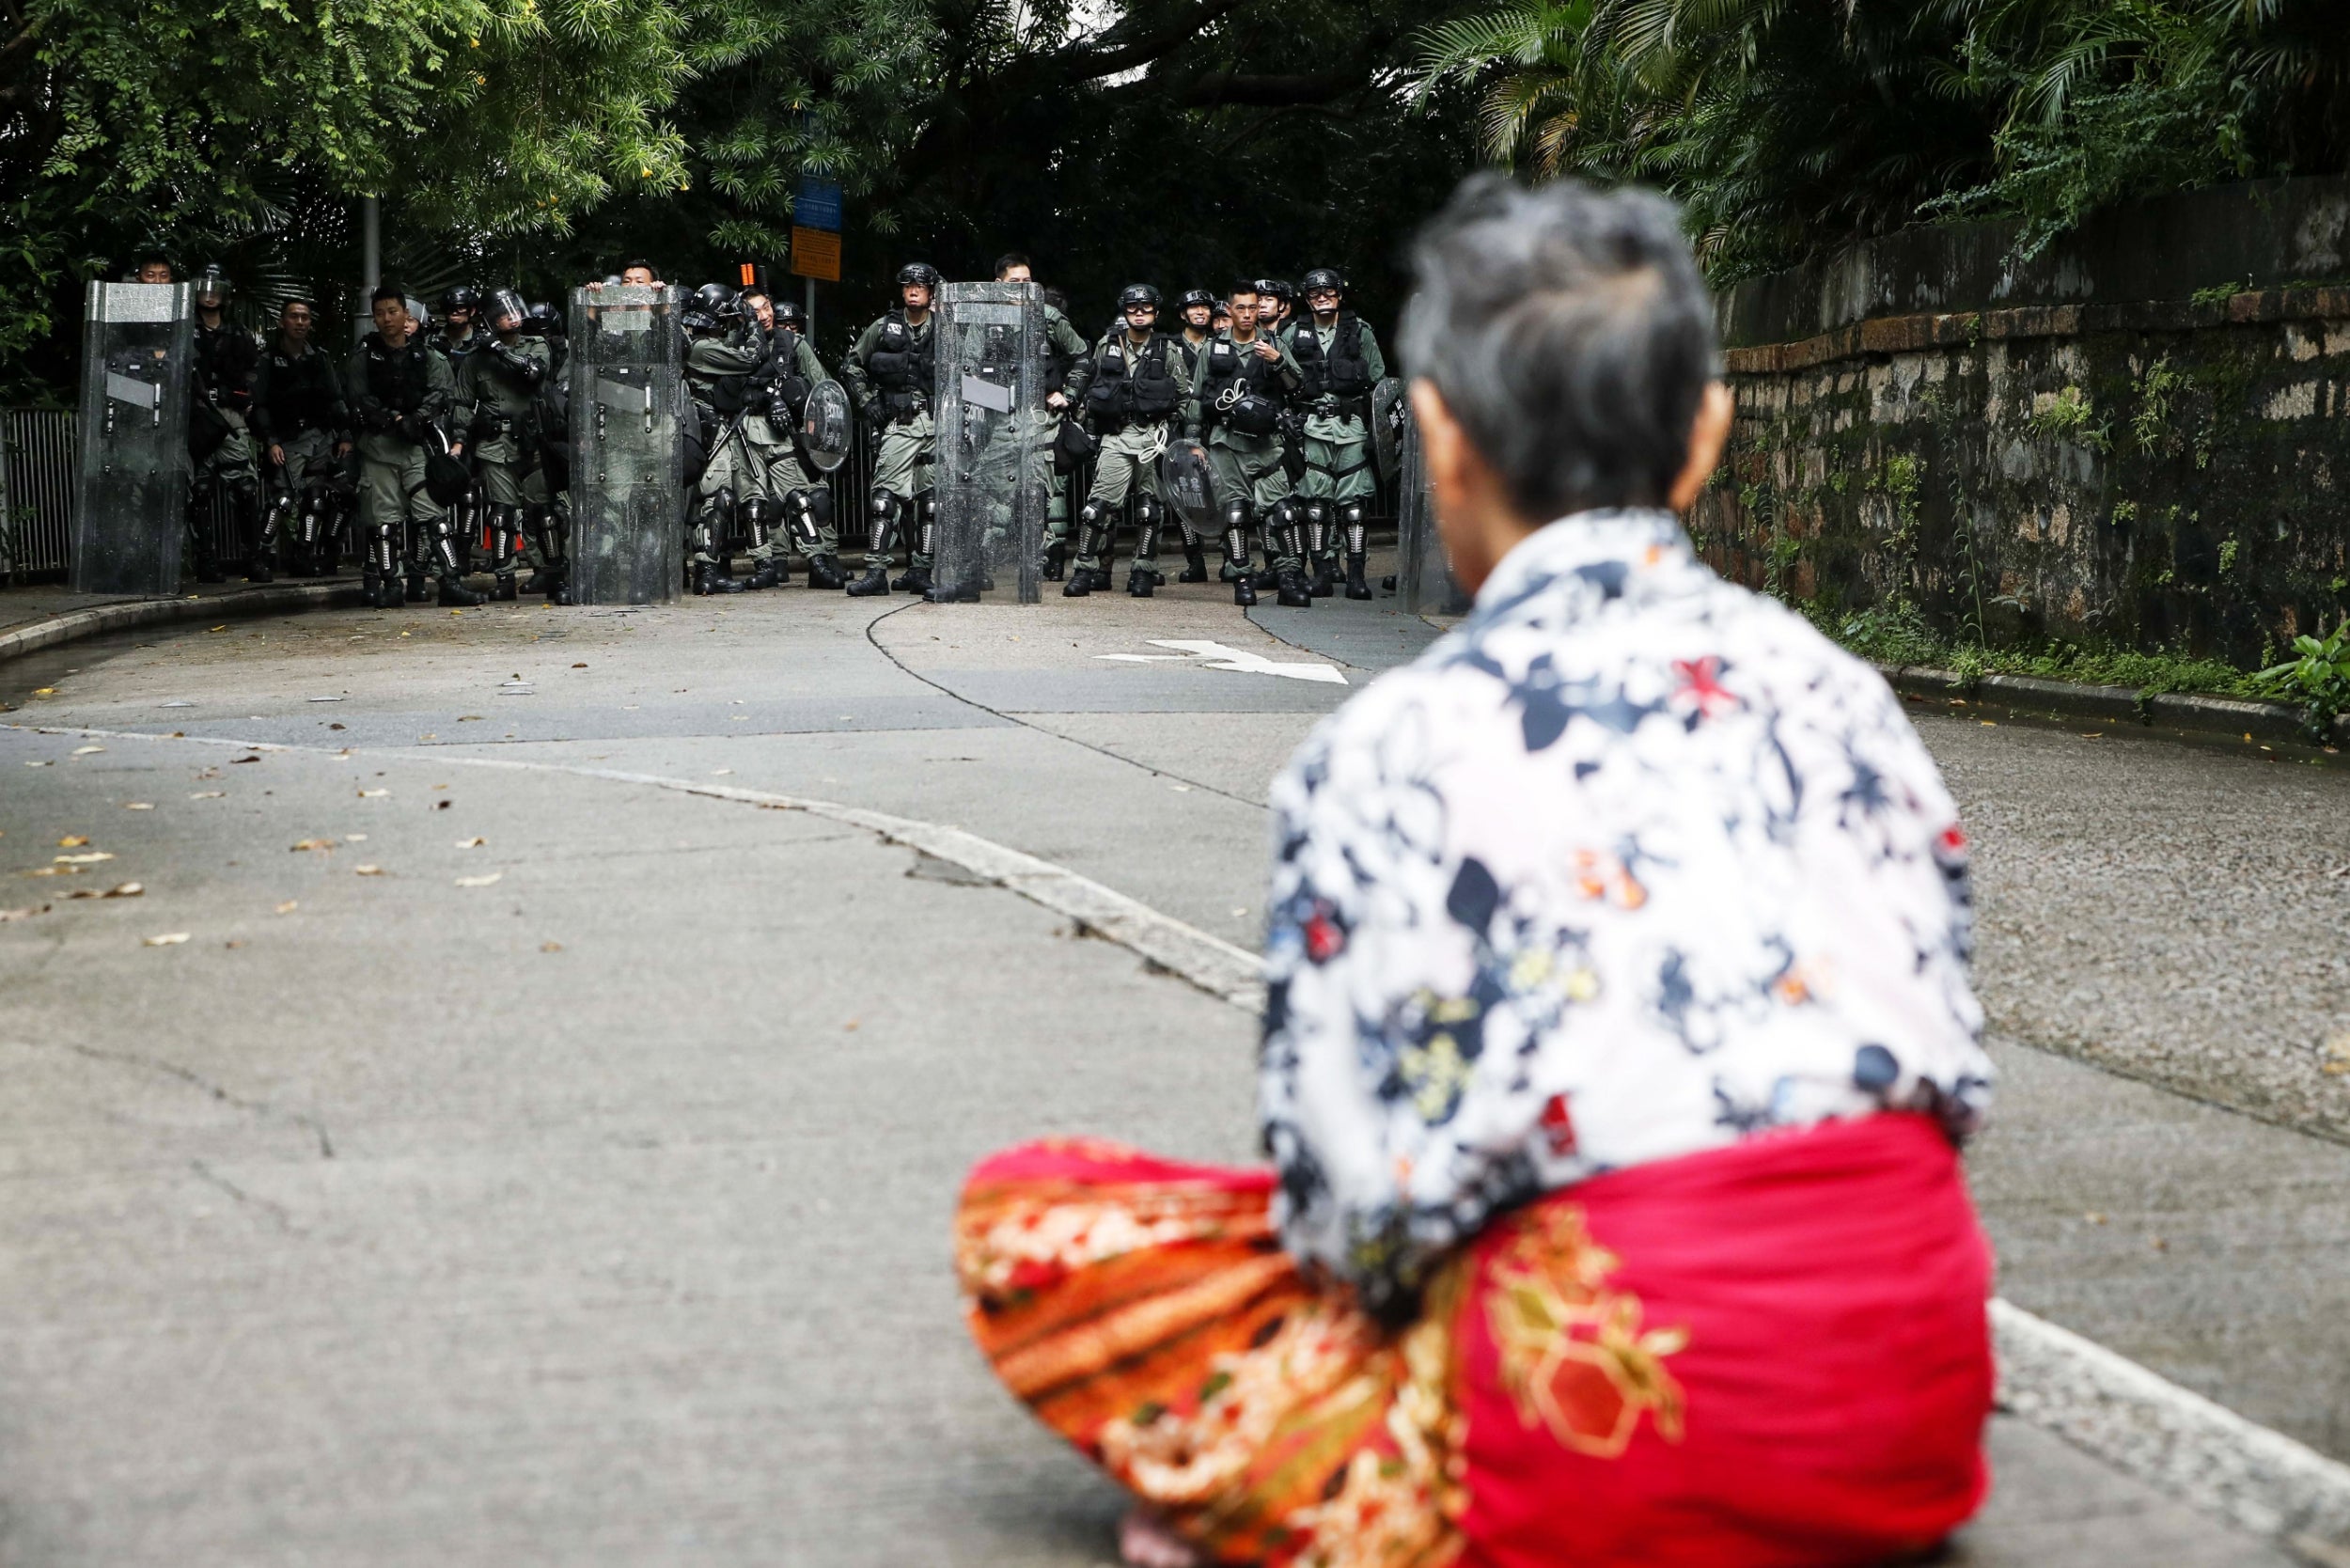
x=897 y=394
x=391 y=462
x=1129 y=457
x=1254 y=465
x=753 y=455
x=1337 y=437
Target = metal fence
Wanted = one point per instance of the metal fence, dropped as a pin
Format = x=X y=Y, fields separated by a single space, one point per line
x=37 y=458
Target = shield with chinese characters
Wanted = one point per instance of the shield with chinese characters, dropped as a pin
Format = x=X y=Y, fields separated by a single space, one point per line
x=131 y=492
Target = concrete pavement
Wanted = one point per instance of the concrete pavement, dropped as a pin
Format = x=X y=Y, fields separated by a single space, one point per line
x=544 y=1302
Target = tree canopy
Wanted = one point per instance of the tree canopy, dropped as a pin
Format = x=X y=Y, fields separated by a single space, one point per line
x=1789 y=127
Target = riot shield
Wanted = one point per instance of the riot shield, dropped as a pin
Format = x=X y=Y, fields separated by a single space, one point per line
x=827 y=428
x=1189 y=485
x=1387 y=414
x=130 y=495
x=628 y=411
x=1423 y=578
x=993 y=472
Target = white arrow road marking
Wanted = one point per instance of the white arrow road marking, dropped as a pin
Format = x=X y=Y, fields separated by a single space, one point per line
x=1215 y=655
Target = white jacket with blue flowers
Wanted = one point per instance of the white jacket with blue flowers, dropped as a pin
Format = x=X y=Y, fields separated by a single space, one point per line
x=1632 y=864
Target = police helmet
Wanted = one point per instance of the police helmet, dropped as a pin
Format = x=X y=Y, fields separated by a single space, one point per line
x=543 y=320
x=695 y=318
x=1276 y=288
x=1135 y=294
x=720 y=302
x=505 y=303
x=919 y=271
x=1196 y=296
x=462 y=297
x=211 y=283
x=1323 y=277
x=789 y=314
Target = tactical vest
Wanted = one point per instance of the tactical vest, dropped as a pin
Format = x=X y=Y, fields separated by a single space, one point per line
x=1241 y=390
x=903 y=365
x=226 y=362
x=397 y=380
x=789 y=388
x=1341 y=372
x=1130 y=390
x=302 y=395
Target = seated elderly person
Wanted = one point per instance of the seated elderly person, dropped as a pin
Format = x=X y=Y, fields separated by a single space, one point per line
x=1618 y=1038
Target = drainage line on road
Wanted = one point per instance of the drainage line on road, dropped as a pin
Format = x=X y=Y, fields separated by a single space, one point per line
x=2133 y=1419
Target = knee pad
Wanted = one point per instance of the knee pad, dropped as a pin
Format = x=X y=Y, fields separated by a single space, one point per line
x=1236 y=512
x=1093 y=514
x=1351 y=515
x=814 y=502
x=930 y=508
x=721 y=501
x=883 y=506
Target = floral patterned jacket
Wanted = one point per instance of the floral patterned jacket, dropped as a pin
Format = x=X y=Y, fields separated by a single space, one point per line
x=1633 y=863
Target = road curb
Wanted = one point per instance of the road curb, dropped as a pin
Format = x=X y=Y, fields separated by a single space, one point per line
x=2189 y=711
x=123 y=615
x=2179 y=1441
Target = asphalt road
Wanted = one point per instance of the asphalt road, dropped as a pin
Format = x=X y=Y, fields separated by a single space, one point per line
x=597 y=1212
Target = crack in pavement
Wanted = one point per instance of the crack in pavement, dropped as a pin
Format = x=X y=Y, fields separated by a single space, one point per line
x=278 y=1213
x=196 y=1080
x=1037 y=728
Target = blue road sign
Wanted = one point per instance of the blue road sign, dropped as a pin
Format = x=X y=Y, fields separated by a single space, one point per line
x=818 y=204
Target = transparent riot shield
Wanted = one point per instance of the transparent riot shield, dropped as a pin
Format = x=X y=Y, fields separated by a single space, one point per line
x=993 y=470
x=628 y=449
x=131 y=497
x=1423 y=578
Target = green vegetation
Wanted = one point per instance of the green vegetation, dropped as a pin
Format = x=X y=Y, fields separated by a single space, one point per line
x=2318 y=677
x=1899 y=635
x=2067 y=417
x=1788 y=130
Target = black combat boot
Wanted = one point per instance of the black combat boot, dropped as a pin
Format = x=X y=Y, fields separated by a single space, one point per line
x=419 y=587
x=708 y=579
x=257 y=571
x=1195 y=563
x=503 y=587
x=1326 y=577
x=916 y=580
x=824 y=572
x=1356 y=587
x=1243 y=591
x=874 y=582
x=1080 y=584
x=1141 y=580
x=455 y=594
x=769 y=574
x=1056 y=559
x=1293 y=592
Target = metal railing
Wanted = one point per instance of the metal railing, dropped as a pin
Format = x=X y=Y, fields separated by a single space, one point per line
x=37 y=448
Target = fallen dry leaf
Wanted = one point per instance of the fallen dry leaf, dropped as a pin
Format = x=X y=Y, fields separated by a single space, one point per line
x=289 y=906
x=313 y=844
x=74 y=841
x=234 y=942
x=216 y=628
x=44 y=691
x=137 y=806
x=579 y=667
x=92 y=859
x=373 y=795
x=24 y=914
x=355 y=838
x=367 y=870
x=86 y=750
x=479 y=881
x=127 y=890
x=208 y=794
x=850 y=1026
x=43 y=762
x=475 y=842
x=169 y=939
x=442 y=805
x=56 y=870
x=550 y=946
x=234 y=761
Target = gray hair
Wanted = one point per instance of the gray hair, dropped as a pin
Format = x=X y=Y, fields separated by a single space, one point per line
x=1570 y=334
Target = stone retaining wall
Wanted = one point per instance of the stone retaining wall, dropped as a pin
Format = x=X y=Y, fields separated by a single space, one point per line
x=2168 y=473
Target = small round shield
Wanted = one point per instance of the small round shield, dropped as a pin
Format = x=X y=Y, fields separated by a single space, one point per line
x=1387 y=413
x=827 y=427
x=1189 y=484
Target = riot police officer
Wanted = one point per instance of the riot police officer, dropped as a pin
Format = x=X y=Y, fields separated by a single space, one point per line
x=806 y=497
x=718 y=363
x=496 y=388
x=458 y=333
x=549 y=455
x=398 y=389
x=227 y=364
x=304 y=426
x=1277 y=306
x=1139 y=389
x=1340 y=359
x=1198 y=310
x=1249 y=377
x=892 y=373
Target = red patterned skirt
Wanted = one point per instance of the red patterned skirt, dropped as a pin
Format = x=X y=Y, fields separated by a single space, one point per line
x=1771 y=1354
